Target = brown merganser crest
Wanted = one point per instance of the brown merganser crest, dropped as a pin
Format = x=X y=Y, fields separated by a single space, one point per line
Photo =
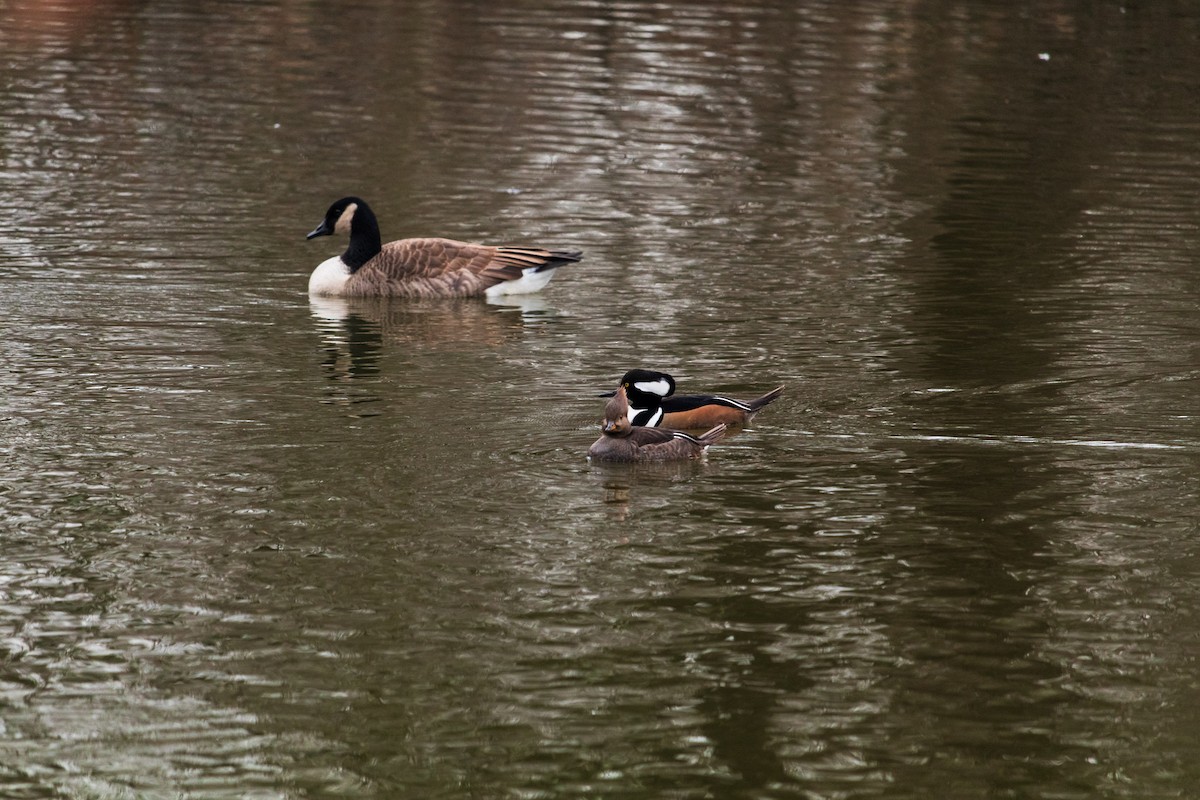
x=621 y=441
x=653 y=402
x=429 y=267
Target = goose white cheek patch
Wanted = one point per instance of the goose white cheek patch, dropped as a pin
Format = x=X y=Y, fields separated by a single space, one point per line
x=342 y=226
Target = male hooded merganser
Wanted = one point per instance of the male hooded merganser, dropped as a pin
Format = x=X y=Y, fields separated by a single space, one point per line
x=621 y=441
x=424 y=267
x=652 y=402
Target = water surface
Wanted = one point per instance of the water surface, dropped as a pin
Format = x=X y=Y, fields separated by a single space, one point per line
x=258 y=546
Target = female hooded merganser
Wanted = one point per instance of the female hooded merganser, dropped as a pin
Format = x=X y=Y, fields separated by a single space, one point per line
x=652 y=402
x=621 y=441
x=424 y=267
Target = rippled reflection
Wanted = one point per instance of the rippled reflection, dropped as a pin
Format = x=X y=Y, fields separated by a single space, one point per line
x=355 y=333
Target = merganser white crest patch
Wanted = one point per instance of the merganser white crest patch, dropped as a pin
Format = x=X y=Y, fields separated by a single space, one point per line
x=659 y=387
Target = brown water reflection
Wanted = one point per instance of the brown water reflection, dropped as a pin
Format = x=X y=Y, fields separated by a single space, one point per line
x=257 y=546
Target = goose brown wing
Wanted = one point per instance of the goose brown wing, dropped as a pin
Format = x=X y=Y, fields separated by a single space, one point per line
x=424 y=268
x=443 y=267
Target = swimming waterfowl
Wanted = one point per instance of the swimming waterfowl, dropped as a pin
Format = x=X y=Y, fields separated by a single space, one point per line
x=652 y=402
x=424 y=267
x=621 y=441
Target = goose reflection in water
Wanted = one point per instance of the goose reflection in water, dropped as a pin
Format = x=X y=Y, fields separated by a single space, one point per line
x=356 y=331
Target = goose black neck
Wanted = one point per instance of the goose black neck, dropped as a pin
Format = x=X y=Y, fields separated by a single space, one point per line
x=364 y=238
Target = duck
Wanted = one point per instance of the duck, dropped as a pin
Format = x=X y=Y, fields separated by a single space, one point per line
x=620 y=441
x=653 y=402
x=427 y=267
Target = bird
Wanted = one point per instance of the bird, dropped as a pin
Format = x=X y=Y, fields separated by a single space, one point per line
x=621 y=441
x=653 y=402
x=429 y=267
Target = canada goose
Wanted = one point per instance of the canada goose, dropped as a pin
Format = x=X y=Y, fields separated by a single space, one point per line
x=620 y=441
x=424 y=267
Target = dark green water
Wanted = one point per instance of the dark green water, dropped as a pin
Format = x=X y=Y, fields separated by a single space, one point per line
x=256 y=547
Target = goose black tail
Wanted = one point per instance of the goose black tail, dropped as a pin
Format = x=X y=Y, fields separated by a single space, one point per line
x=560 y=258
